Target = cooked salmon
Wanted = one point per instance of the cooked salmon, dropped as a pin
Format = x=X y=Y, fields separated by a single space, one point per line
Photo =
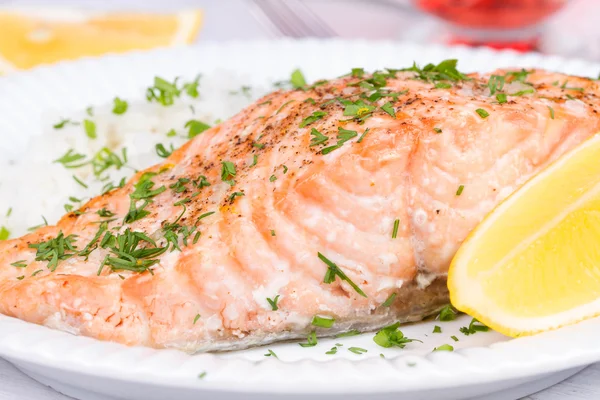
x=327 y=208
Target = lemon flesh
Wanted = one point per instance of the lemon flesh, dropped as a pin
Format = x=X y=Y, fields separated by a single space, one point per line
x=533 y=264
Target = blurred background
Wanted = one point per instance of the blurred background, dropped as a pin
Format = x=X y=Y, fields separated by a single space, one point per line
x=38 y=32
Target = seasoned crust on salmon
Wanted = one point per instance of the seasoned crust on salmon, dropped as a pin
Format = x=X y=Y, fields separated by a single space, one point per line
x=346 y=199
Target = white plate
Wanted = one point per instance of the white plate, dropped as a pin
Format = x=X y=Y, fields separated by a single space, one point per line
x=485 y=365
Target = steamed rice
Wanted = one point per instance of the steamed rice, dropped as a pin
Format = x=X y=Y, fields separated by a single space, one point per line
x=34 y=187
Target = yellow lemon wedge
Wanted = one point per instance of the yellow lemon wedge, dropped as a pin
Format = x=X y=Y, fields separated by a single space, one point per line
x=533 y=264
x=32 y=37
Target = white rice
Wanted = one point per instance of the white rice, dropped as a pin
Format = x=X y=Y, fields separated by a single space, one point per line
x=35 y=187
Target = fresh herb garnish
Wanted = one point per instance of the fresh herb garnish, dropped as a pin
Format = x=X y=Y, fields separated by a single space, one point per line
x=228 y=172
x=551 y=112
x=55 y=250
x=444 y=347
x=332 y=351
x=80 y=182
x=388 y=108
x=119 y=106
x=501 y=98
x=283 y=105
x=437 y=329
x=297 y=79
x=360 y=139
x=271 y=353
x=495 y=82
x=63 y=123
x=195 y=127
x=444 y=71
x=437 y=130
x=71 y=159
x=447 y=314
x=315 y=116
x=162 y=152
x=391 y=336
x=127 y=253
x=4 y=233
x=454 y=338
x=482 y=113
x=322 y=322
x=388 y=302
x=273 y=303
x=311 y=340
x=460 y=190
x=236 y=194
x=19 y=264
x=272 y=178
x=342 y=137
x=357 y=350
x=333 y=270
x=395 y=230
x=196 y=318
x=318 y=138
x=191 y=88
x=272 y=232
x=163 y=91
x=90 y=128
x=474 y=327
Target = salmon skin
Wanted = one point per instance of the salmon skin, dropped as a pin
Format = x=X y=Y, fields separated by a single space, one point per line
x=344 y=200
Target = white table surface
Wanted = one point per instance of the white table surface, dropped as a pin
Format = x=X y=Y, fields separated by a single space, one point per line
x=582 y=40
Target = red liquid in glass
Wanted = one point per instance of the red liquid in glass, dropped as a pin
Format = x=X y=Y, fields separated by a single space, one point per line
x=492 y=15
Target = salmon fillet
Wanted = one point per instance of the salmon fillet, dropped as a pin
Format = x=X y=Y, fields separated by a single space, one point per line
x=346 y=200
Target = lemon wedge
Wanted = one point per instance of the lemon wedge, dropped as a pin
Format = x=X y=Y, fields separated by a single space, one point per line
x=533 y=264
x=30 y=37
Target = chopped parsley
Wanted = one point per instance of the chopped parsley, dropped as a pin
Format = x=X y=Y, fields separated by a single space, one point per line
x=191 y=88
x=4 y=233
x=162 y=152
x=447 y=314
x=297 y=79
x=444 y=347
x=395 y=230
x=357 y=350
x=333 y=270
x=196 y=318
x=342 y=137
x=460 y=190
x=202 y=375
x=119 y=106
x=236 y=194
x=318 y=138
x=388 y=302
x=273 y=303
x=322 y=322
x=501 y=98
x=80 y=182
x=496 y=82
x=388 y=108
x=551 y=112
x=474 y=327
x=63 y=123
x=283 y=106
x=271 y=353
x=437 y=329
x=332 y=351
x=454 y=338
x=391 y=336
x=437 y=130
x=19 y=264
x=195 y=127
x=104 y=213
x=360 y=139
x=272 y=232
x=90 y=128
x=163 y=92
x=228 y=172
x=315 y=116
x=482 y=113
x=444 y=71
x=272 y=178
x=71 y=159
x=311 y=340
